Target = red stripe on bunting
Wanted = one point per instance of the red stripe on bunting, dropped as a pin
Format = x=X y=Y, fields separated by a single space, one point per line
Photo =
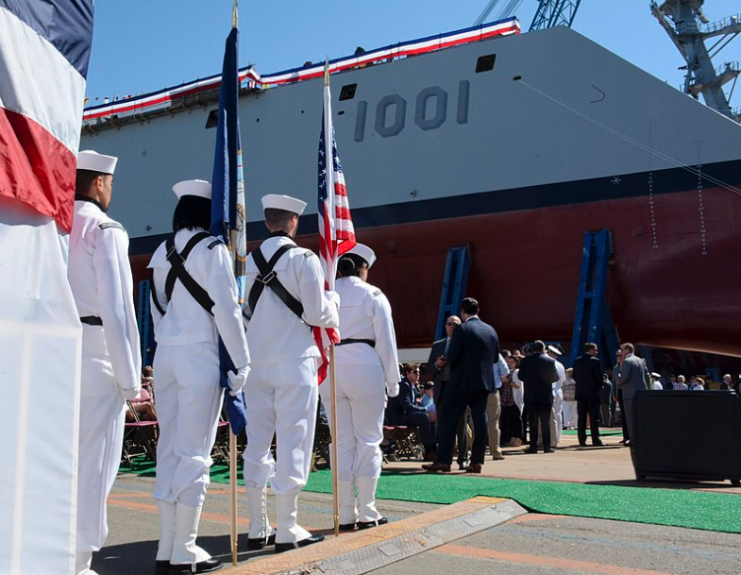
x=36 y=168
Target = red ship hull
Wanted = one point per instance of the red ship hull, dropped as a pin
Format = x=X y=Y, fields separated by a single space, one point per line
x=681 y=289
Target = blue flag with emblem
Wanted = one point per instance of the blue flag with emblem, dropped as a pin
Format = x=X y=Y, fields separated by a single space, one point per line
x=227 y=202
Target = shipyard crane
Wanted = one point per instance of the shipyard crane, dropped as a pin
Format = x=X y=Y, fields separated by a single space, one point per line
x=688 y=27
x=550 y=13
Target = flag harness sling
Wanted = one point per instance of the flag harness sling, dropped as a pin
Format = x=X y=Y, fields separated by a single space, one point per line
x=270 y=279
x=178 y=272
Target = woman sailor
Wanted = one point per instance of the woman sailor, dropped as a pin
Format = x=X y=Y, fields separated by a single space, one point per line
x=366 y=367
x=187 y=327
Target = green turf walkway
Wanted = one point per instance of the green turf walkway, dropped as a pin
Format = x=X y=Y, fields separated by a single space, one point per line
x=673 y=507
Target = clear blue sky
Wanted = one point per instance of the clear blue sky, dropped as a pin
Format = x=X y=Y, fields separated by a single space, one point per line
x=141 y=46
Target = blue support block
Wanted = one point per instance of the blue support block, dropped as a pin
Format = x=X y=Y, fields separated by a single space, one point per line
x=593 y=320
x=454 y=285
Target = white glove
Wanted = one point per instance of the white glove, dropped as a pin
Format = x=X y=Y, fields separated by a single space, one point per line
x=392 y=389
x=237 y=380
x=333 y=296
x=131 y=394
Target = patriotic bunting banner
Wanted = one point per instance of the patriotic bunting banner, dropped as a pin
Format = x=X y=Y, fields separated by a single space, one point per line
x=163 y=98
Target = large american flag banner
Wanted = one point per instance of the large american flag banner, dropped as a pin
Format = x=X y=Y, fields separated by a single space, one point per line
x=336 y=231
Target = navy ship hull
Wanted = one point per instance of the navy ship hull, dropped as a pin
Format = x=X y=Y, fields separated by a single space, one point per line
x=559 y=137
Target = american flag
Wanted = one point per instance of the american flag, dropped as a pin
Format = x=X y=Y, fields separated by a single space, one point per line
x=336 y=231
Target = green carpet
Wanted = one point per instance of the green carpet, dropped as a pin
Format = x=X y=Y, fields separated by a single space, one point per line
x=672 y=507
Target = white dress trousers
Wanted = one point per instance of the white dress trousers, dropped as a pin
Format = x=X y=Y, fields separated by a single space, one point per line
x=291 y=388
x=189 y=400
x=102 y=417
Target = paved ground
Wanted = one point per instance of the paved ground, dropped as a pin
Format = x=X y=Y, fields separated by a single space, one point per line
x=531 y=544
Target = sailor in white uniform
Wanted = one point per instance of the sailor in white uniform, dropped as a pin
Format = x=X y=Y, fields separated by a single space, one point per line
x=100 y=276
x=186 y=368
x=282 y=387
x=367 y=365
x=556 y=419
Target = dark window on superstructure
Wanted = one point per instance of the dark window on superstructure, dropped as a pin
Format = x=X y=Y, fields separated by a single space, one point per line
x=485 y=63
x=348 y=92
x=213 y=119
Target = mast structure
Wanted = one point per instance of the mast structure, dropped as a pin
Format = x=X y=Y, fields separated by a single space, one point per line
x=553 y=13
x=688 y=27
x=550 y=13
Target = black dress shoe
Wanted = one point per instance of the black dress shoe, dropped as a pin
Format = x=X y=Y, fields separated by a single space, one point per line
x=582 y=444
x=206 y=566
x=435 y=467
x=347 y=526
x=549 y=450
x=474 y=468
x=531 y=450
x=260 y=542
x=463 y=465
x=374 y=523
x=597 y=443
x=283 y=547
x=161 y=568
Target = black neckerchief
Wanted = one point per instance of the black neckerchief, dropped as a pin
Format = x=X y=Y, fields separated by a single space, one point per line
x=280 y=234
x=81 y=198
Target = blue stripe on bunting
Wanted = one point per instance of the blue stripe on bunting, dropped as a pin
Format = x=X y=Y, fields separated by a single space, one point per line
x=66 y=24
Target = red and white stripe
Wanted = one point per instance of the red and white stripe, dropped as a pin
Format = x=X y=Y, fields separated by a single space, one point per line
x=41 y=104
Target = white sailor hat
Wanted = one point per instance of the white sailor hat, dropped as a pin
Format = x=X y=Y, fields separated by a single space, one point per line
x=656 y=375
x=364 y=252
x=95 y=162
x=287 y=203
x=199 y=188
x=554 y=350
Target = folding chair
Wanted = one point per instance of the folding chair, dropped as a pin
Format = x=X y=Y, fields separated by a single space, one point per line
x=140 y=437
x=407 y=443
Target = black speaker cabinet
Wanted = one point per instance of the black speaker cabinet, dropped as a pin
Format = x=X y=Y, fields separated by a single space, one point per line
x=692 y=435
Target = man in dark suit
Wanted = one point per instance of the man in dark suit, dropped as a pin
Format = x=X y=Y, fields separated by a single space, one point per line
x=473 y=350
x=589 y=381
x=537 y=373
x=439 y=369
x=404 y=410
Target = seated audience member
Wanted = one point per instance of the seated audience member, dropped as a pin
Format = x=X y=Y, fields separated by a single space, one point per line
x=698 y=384
x=144 y=405
x=404 y=410
x=681 y=385
x=727 y=383
x=427 y=398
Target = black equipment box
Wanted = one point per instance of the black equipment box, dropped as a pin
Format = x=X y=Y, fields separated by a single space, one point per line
x=693 y=435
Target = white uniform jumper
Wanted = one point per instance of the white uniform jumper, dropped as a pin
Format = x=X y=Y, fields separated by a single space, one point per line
x=100 y=276
x=362 y=374
x=282 y=392
x=186 y=375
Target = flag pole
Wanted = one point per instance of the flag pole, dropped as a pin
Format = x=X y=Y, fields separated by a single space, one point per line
x=332 y=377
x=233 y=535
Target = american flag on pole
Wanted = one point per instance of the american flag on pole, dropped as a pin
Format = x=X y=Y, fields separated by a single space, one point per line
x=336 y=231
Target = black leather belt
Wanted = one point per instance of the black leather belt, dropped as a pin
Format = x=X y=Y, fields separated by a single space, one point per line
x=91 y=320
x=370 y=342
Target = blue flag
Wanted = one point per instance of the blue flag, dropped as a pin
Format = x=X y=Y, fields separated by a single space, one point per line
x=227 y=202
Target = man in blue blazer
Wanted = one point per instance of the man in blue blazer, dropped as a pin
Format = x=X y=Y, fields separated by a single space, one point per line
x=474 y=348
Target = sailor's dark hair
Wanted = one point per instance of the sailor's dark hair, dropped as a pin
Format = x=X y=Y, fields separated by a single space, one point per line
x=192 y=212
x=350 y=265
x=85 y=179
